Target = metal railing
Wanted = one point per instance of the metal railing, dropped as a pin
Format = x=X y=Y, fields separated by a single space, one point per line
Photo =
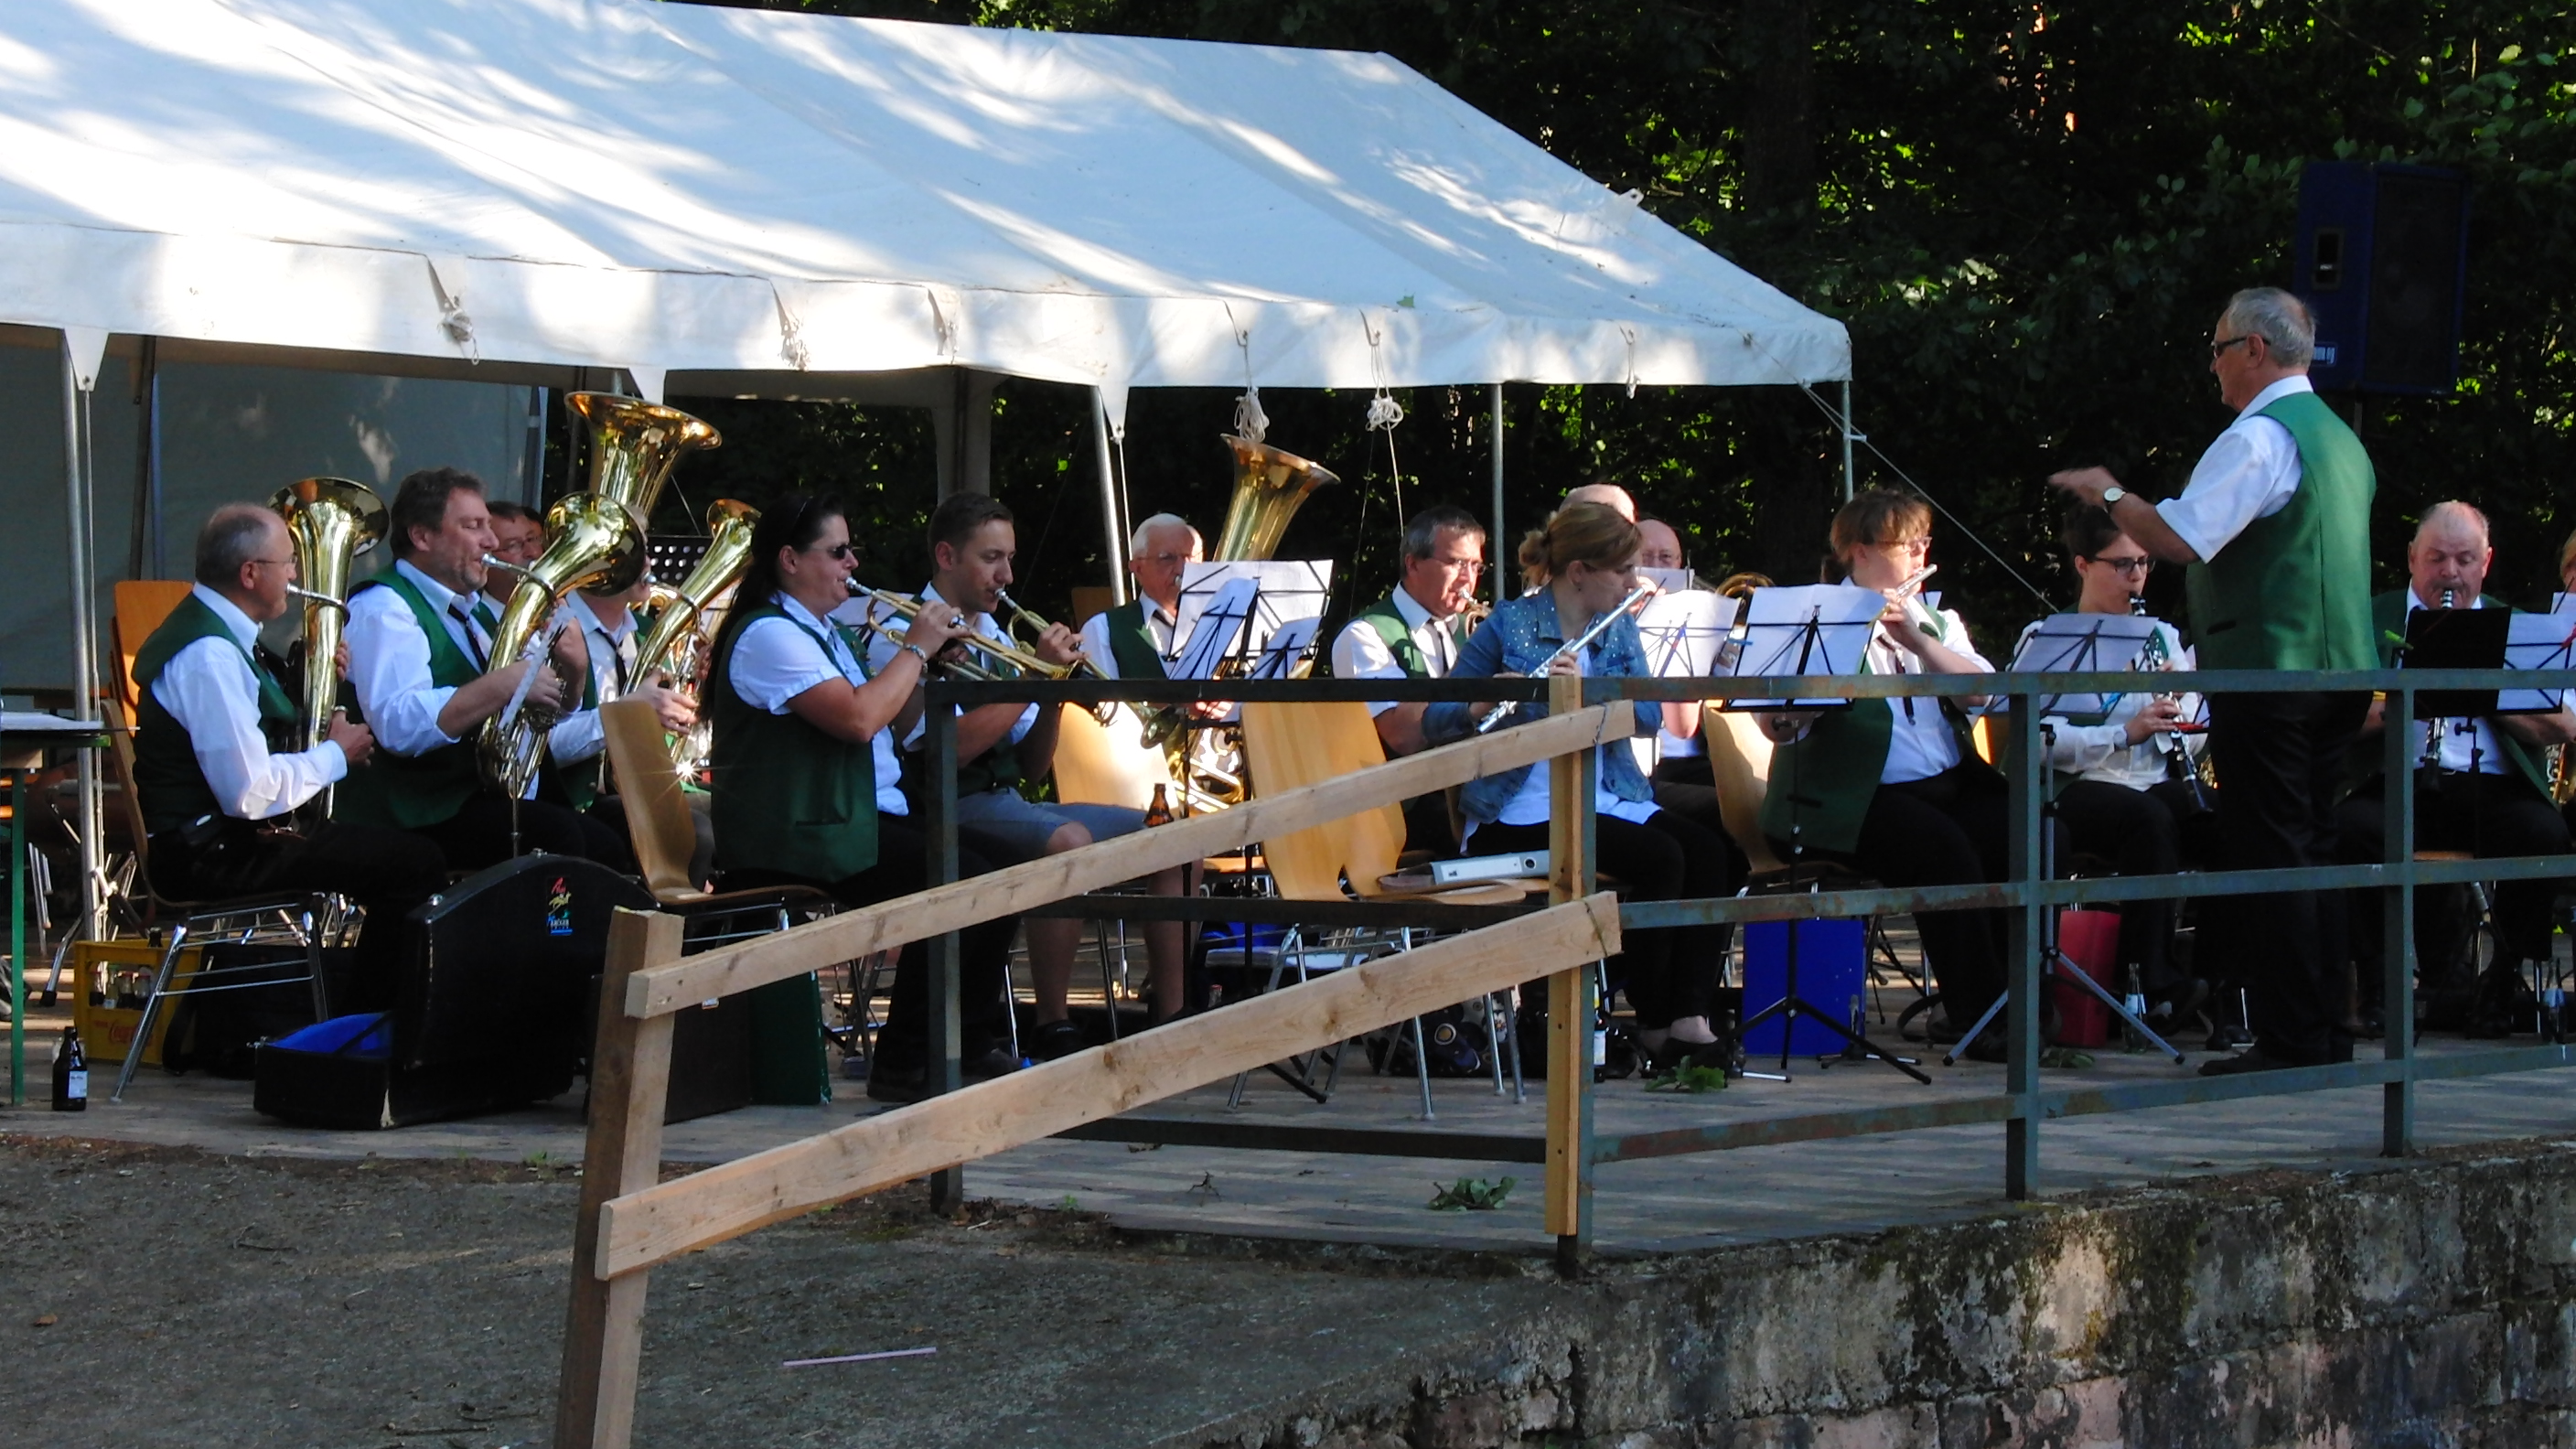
x=2027 y=893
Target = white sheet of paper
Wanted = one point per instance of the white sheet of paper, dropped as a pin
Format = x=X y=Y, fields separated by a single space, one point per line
x=2537 y=641
x=1672 y=581
x=1287 y=644
x=2082 y=644
x=1778 y=641
x=1682 y=632
x=1219 y=624
x=1286 y=589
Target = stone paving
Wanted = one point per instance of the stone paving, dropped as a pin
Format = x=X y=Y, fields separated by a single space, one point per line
x=1668 y=1204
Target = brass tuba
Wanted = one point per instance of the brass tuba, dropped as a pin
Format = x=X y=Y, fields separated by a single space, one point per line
x=598 y=542
x=1269 y=485
x=331 y=521
x=634 y=445
x=671 y=644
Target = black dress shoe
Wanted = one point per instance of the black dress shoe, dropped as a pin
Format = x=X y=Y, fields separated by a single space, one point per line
x=984 y=1067
x=1056 y=1039
x=2252 y=1059
x=1988 y=1047
x=897 y=1085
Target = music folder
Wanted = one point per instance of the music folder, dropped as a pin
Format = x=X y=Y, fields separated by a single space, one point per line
x=2455 y=639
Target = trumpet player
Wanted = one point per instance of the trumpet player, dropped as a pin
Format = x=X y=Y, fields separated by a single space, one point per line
x=1003 y=748
x=2126 y=787
x=2480 y=786
x=1584 y=564
x=215 y=765
x=1896 y=786
x=1416 y=632
x=419 y=641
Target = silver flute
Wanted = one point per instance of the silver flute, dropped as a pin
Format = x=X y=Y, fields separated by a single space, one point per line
x=1618 y=611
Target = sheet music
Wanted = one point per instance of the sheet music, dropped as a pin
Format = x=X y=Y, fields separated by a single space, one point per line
x=1287 y=644
x=2538 y=641
x=1285 y=590
x=1811 y=629
x=2082 y=644
x=1219 y=624
x=1672 y=581
x=1683 y=630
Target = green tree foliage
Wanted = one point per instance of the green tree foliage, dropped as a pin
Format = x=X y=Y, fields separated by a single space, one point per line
x=2029 y=216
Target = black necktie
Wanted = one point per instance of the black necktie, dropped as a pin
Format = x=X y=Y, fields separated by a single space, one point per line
x=473 y=641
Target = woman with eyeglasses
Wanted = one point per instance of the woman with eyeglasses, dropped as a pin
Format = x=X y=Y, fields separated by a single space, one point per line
x=1895 y=786
x=804 y=784
x=1582 y=564
x=2127 y=786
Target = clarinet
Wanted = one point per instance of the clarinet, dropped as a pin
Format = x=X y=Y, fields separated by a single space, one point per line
x=2153 y=658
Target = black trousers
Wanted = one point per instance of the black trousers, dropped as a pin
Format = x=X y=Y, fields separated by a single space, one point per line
x=983 y=949
x=1952 y=829
x=2486 y=815
x=479 y=834
x=386 y=871
x=1670 y=973
x=2137 y=833
x=1426 y=825
x=2280 y=758
x=1687 y=787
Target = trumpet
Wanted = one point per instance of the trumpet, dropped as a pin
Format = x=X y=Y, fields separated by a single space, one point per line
x=1023 y=617
x=1616 y=612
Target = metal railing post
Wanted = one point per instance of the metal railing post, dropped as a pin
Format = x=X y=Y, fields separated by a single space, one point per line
x=1572 y=997
x=2397 y=917
x=2023 y=1005
x=939 y=810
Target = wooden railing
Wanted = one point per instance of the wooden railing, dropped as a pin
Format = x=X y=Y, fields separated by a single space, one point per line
x=629 y=1220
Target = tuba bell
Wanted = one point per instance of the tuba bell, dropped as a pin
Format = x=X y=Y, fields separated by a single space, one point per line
x=330 y=521
x=597 y=542
x=635 y=444
x=1269 y=486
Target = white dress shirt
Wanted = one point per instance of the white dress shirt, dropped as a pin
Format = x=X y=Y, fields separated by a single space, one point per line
x=775 y=660
x=389 y=661
x=1921 y=746
x=2102 y=751
x=611 y=643
x=211 y=690
x=1162 y=626
x=2469 y=743
x=881 y=650
x=2250 y=472
x=1360 y=653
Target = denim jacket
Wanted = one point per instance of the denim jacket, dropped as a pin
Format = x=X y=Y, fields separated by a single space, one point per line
x=1519 y=637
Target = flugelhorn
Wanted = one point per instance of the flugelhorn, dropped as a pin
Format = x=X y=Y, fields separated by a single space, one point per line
x=330 y=521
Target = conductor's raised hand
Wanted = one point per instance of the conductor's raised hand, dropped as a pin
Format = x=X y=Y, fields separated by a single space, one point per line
x=2084 y=483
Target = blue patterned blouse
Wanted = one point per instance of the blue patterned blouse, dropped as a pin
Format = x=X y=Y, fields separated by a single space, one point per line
x=1519 y=637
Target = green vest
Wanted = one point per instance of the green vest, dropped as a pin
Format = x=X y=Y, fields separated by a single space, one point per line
x=576 y=784
x=1131 y=646
x=1824 y=783
x=996 y=769
x=2293 y=590
x=2388 y=626
x=409 y=792
x=786 y=796
x=1397 y=635
x=167 y=778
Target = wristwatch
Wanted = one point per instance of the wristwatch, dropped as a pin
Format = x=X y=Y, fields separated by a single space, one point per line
x=2113 y=494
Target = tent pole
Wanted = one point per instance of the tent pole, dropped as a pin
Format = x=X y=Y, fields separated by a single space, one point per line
x=1111 y=522
x=1848 y=435
x=1501 y=542
x=76 y=482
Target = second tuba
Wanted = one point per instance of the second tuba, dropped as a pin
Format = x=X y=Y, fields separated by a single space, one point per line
x=330 y=521
x=672 y=643
x=596 y=542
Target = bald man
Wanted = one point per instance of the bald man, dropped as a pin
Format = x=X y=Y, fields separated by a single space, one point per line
x=2480 y=786
x=1659 y=547
x=1608 y=495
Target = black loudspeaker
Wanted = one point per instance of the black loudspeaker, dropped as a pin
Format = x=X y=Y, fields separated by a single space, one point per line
x=2383 y=259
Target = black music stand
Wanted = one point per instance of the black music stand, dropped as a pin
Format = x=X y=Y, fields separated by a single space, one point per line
x=1808 y=643
x=2455 y=639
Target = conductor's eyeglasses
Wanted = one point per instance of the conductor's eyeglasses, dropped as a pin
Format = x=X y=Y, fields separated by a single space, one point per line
x=2132 y=564
x=2217 y=349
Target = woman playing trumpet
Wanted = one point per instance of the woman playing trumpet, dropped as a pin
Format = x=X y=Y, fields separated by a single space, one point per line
x=1584 y=562
x=1894 y=786
x=805 y=784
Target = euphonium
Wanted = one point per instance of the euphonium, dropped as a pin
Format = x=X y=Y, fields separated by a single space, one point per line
x=687 y=617
x=331 y=521
x=597 y=542
x=1269 y=484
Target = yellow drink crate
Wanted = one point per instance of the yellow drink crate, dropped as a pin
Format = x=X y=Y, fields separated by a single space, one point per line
x=106 y=1029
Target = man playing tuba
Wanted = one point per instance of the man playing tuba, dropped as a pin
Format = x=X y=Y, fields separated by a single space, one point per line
x=213 y=782
x=420 y=655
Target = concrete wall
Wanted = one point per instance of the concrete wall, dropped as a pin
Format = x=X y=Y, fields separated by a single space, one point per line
x=2429 y=1304
x=227 y=432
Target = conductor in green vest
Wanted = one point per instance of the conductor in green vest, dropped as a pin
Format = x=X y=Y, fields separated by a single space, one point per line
x=2275 y=530
x=2481 y=785
x=420 y=641
x=220 y=762
x=1416 y=632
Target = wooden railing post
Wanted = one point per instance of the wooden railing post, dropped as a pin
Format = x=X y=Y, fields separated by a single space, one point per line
x=630 y=1076
x=1571 y=997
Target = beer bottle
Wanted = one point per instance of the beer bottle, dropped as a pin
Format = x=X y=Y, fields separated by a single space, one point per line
x=71 y=1074
x=1160 y=812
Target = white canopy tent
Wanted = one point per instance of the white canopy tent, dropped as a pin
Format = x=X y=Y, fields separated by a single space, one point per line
x=756 y=203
